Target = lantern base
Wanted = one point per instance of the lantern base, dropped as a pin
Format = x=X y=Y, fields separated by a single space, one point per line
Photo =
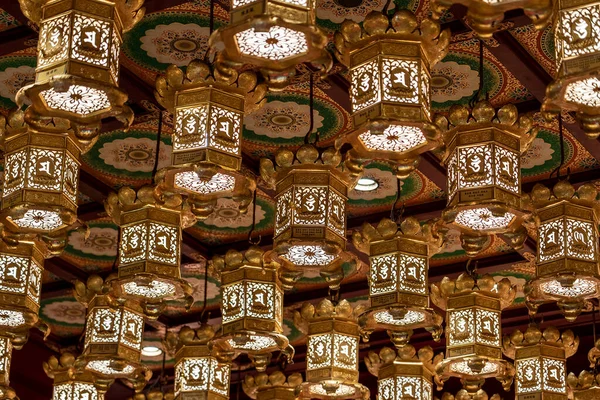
x=577 y=92
x=333 y=389
x=399 y=321
x=258 y=41
x=32 y=218
x=474 y=370
x=152 y=290
x=80 y=100
x=205 y=183
x=258 y=345
x=110 y=368
x=485 y=17
x=569 y=291
x=592 y=393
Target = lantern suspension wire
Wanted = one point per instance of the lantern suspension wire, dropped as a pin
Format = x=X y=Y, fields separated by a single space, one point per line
x=211 y=26
x=478 y=94
x=562 y=151
x=256 y=241
x=311 y=117
x=158 y=140
x=396 y=214
x=471 y=270
x=203 y=315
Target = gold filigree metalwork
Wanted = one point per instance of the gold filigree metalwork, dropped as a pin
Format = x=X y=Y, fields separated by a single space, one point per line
x=398 y=284
x=332 y=351
x=586 y=385
x=483 y=147
x=390 y=64
x=273 y=35
x=310 y=212
x=540 y=361
x=113 y=336
x=485 y=16
x=252 y=308
x=78 y=59
x=265 y=386
x=406 y=374
x=6 y=350
x=474 y=329
x=567 y=264
x=208 y=107
x=576 y=85
x=69 y=383
x=198 y=372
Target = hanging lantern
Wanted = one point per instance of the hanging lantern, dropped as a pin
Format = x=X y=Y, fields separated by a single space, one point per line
x=540 y=361
x=485 y=16
x=6 y=348
x=154 y=394
x=272 y=386
x=198 y=373
x=390 y=80
x=113 y=336
x=332 y=351
x=207 y=142
x=252 y=308
x=575 y=87
x=70 y=384
x=483 y=150
x=473 y=329
x=464 y=395
x=21 y=267
x=586 y=385
x=41 y=179
x=78 y=58
x=310 y=217
x=406 y=375
x=567 y=267
x=273 y=35
x=149 y=247
x=398 y=284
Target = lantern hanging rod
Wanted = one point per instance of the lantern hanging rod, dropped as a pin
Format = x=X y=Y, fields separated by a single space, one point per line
x=397 y=214
x=256 y=241
x=158 y=140
x=480 y=89
x=311 y=106
x=561 y=139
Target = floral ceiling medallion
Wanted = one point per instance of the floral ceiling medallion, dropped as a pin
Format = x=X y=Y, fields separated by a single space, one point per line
x=176 y=43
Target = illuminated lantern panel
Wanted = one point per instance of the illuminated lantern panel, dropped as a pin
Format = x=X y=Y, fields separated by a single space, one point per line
x=76 y=391
x=332 y=354
x=41 y=181
x=20 y=286
x=252 y=307
x=567 y=269
x=113 y=339
x=278 y=386
x=6 y=349
x=78 y=57
x=197 y=374
x=402 y=387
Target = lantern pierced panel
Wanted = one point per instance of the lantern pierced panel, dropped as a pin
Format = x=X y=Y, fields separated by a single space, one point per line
x=507 y=169
x=13 y=273
x=77 y=99
x=189 y=180
x=400 y=79
x=551 y=240
x=54 y=41
x=104 y=367
x=71 y=179
x=163 y=243
x=463 y=367
x=45 y=169
x=278 y=44
x=336 y=215
x=580 y=287
x=14 y=174
x=310 y=204
x=152 y=290
x=413 y=274
x=308 y=255
x=384 y=274
x=580 y=29
x=39 y=219
x=475 y=166
x=319 y=352
x=193 y=374
x=225 y=130
x=133 y=243
x=365 y=88
x=132 y=329
x=114 y=56
x=11 y=318
x=90 y=40
x=585 y=92
x=488 y=327
x=581 y=241
x=409 y=318
x=284 y=209
x=396 y=138
x=452 y=175
x=482 y=219
x=345 y=350
x=234 y=305
x=554 y=376
x=529 y=375
x=260 y=300
x=461 y=327
x=252 y=343
x=191 y=128
x=5 y=354
x=103 y=326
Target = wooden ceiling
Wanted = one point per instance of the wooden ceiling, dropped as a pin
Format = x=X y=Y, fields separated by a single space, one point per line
x=518 y=68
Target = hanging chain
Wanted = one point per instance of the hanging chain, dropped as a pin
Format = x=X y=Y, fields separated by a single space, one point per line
x=158 y=140
x=253 y=228
x=562 y=151
x=397 y=214
x=311 y=106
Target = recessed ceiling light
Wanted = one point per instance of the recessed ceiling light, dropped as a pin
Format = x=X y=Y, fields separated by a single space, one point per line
x=151 y=351
x=366 y=185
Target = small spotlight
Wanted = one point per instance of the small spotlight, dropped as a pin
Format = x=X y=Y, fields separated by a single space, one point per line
x=151 y=351
x=366 y=185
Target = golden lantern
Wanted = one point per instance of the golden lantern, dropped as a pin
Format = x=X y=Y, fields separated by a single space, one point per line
x=207 y=142
x=540 y=361
x=154 y=394
x=390 y=85
x=113 y=336
x=332 y=351
x=576 y=85
x=567 y=267
x=6 y=348
x=198 y=373
x=464 y=395
x=78 y=58
x=252 y=308
x=586 y=385
x=473 y=329
x=485 y=16
x=149 y=248
x=406 y=375
x=41 y=180
x=272 y=386
x=21 y=267
x=482 y=154
x=273 y=35
x=398 y=284
x=310 y=218
x=70 y=384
